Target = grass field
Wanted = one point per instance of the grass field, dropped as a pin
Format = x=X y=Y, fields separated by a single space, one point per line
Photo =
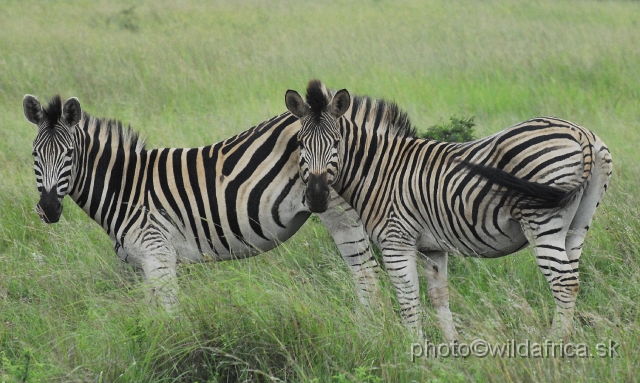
x=190 y=73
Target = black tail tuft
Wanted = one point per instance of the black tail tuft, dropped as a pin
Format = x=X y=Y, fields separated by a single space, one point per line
x=529 y=195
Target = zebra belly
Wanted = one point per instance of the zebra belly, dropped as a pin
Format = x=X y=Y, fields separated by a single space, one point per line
x=190 y=250
x=488 y=243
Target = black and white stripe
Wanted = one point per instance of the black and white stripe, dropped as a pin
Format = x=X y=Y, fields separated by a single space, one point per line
x=538 y=183
x=232 y=199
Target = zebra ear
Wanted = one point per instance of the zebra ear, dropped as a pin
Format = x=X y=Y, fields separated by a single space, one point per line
x=340 y=103
x=296 y=104
x=71 y=112
x=32 y=109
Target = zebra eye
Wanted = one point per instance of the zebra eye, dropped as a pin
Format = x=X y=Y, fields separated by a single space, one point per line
x=336 y=143
x=69 y=151
x=34 y=153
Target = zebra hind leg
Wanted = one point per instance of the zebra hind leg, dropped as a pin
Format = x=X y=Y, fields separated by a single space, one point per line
x=590 y=200
x=588 y=204
x=435 y=267
x=547 y=233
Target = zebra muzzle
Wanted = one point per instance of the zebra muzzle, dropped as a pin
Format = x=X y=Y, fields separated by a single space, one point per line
x=49 y=207
x=317 y=193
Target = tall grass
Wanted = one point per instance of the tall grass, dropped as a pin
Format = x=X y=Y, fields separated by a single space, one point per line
x=193 y=72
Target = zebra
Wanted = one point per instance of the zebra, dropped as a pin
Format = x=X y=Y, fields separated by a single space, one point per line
x=538 y=182
x=229 y=200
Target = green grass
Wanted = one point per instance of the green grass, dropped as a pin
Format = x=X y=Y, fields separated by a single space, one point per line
x=195 y=72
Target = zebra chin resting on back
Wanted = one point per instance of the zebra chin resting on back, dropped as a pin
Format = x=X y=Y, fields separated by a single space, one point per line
x=232 y=199
x=538 y=182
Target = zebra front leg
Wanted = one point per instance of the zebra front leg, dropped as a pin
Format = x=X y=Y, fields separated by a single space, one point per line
x=435 y=267
x=401 y=264
x=150 y=249
x=130 y=273
x=160 y=275
x=346 y=229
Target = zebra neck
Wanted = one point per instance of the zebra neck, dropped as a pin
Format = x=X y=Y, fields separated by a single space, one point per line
x=367 y=159
x=78 y=168
x=100 y=171
x=373 y=133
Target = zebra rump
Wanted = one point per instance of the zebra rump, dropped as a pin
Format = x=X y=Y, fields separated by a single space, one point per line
x=528 y=195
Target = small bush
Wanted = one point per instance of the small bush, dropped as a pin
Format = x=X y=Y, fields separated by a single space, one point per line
x=457 y=130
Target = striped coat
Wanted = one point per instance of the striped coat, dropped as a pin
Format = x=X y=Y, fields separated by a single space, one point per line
x=537 y=183
x=232 y=199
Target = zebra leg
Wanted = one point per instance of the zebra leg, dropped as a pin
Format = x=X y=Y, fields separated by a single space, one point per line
x=160 y=275
x=401 y=264
x=548 y=240
x=580 y=225
x=590 y=200
x=150 y=249
x=347 y=231
x=130 y=272
x=435 y=267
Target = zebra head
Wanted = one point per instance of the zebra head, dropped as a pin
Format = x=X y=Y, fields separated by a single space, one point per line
x=319 y=139
x=52 y=151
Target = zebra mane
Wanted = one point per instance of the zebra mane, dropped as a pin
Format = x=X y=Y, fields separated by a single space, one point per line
x=393 y=121
x=113 y=129
x=105 y=128
x=126 y=136
x=53 y=110
x=318 y=97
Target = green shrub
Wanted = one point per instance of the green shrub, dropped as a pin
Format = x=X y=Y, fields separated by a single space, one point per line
x=457 y=130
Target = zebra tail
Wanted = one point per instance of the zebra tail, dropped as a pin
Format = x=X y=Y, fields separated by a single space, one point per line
x=527 y=194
